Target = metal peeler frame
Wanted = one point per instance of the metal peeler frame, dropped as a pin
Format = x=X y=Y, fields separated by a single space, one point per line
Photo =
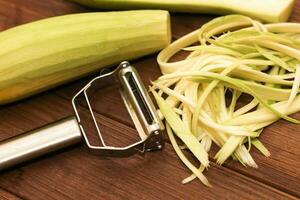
x=139 y=106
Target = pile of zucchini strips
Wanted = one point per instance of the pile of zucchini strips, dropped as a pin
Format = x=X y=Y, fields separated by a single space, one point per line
x=239 y=76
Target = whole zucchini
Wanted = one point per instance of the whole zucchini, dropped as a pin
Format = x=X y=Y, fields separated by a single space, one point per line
x=265 y=10
x=43 y=54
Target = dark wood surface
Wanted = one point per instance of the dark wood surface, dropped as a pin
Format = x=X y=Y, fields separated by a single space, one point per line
x=76 y=174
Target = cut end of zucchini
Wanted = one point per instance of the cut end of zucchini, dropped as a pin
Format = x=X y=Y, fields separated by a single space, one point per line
x=286 y=12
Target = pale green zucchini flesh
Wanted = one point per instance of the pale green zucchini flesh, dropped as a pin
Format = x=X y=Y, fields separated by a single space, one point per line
x=203 y=95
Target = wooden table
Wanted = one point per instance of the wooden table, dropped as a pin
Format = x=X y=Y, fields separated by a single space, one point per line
x=76 y=174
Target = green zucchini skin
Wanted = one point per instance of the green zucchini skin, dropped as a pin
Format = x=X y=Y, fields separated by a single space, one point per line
x=41 y=55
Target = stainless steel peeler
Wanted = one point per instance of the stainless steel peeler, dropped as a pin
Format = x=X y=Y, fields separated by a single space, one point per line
x=71 y=130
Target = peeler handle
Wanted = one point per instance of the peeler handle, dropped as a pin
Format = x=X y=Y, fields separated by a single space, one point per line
x=38 y=142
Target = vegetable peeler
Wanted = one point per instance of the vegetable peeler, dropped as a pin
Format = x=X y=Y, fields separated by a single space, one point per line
x=72 y=130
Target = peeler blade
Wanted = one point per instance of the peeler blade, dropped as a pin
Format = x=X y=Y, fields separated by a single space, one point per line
x=138 y=104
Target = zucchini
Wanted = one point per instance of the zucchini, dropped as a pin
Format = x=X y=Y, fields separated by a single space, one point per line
x=43 y=54
x=265 y=10
x=202 y=95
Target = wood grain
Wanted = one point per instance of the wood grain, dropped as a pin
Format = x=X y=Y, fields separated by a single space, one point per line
x=4 y=195
x=76 y=174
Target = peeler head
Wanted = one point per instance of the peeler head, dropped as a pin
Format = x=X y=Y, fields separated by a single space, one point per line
x=138 y=104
